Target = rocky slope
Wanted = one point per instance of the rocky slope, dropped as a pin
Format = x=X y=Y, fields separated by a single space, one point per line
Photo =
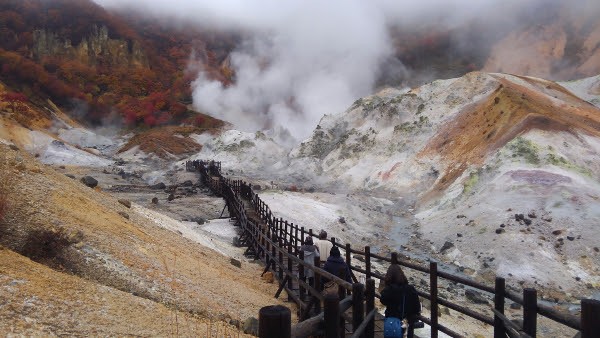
x=587 y=89
x=493 y=173
x=76 y=261
x=467 y=154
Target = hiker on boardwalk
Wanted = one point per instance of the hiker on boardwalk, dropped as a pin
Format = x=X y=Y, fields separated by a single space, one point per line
x=310 y=252
x=336 y=265
x=401 y=301
x=323 y=245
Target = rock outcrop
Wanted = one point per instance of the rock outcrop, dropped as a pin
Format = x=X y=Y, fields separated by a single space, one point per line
x=91 y=49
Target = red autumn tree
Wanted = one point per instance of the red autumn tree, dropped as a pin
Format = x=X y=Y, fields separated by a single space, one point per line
x=15 y=100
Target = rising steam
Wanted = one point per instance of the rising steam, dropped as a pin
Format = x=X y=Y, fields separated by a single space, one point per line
x=315 y=60
x=306 y=58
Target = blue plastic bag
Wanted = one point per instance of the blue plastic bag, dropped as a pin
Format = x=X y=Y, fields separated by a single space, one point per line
x=392 y=328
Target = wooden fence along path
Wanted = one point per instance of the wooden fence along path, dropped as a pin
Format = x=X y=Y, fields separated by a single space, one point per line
x=352 y=313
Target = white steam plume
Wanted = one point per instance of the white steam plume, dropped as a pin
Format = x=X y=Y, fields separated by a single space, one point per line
x=314 y=60
x=306 y=58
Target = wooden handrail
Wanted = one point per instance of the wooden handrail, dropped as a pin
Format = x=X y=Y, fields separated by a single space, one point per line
x=512 y=329
x=289 y=237
x=363 y=325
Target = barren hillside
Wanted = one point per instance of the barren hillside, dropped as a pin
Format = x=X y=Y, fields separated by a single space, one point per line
x=95 y=266
x=459 y=159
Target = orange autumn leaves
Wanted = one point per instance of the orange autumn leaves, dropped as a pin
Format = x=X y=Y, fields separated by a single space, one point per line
x=147 y=86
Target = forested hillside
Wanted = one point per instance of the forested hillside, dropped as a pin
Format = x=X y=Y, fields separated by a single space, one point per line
x=102 y=65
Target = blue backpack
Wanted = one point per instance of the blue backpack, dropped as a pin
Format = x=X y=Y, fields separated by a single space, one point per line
x=392 y=326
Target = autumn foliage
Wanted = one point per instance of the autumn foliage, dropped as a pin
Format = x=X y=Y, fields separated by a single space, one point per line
x=15 y=101
x=148 y=83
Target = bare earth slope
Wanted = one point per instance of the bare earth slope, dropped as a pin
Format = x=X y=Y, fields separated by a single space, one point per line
x=37 y=300
x=517 y=105
x=105 y=267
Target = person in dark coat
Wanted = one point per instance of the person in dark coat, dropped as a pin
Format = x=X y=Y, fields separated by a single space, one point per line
x=310 y=252
x=336 y=265
x=401 y=299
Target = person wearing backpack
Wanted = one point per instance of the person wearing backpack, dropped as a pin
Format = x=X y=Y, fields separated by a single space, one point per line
x=310 y=253
x=401 y=301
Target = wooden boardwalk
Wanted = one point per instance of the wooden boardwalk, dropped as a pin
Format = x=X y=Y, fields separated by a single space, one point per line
x=293 y=288
x=352 y=312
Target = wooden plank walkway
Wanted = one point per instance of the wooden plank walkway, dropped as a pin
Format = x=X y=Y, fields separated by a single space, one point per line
x=255 y=218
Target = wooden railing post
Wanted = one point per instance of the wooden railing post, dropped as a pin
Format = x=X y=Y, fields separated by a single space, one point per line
x=264 y=234
x=283 y=230
x=296 y=246
x=394 y=258
x=530 y=311
x=368 y=261
x=280 y=229
x=318 y=283
x=280 y=260
x=370 y=306
x=349 y=259
x=348 y=255
x=433 y=291
x=590 y=318
x=274 y=321
x=331 y=316
x=257 y=238
x=301 y=275
x=273 y=254
x=358 y=309
x=302 y=236
x=499 y=293
x=290 y=271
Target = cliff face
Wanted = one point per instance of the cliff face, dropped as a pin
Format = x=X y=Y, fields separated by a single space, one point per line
x=93 y=49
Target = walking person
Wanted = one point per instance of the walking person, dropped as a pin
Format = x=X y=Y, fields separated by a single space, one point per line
x=323 y=245
x=310 y=252
x=336 y=265
x=402 y=303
